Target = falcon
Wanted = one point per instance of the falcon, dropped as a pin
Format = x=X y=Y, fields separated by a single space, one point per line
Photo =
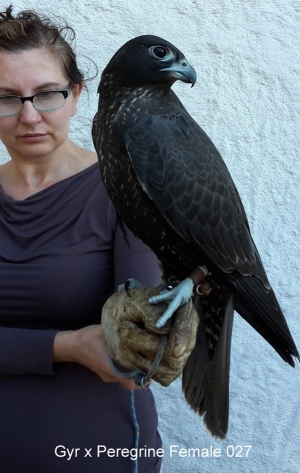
x=172 y=189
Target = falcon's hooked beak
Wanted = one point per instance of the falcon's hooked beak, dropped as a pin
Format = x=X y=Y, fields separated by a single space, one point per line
x=182 y=71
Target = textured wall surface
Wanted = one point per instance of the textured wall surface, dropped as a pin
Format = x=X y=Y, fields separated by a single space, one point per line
x=247 y=99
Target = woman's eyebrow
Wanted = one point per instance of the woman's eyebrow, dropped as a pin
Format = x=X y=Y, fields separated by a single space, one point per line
x=46 y=85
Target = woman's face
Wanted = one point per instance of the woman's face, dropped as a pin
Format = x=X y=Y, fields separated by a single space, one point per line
x=31 y=133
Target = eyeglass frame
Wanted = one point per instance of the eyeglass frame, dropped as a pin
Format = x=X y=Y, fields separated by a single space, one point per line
x=65 y=93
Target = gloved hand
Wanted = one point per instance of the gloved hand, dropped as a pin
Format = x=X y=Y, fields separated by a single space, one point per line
x=129 y=332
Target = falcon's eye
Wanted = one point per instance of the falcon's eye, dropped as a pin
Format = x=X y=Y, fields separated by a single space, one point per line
x=161 y=52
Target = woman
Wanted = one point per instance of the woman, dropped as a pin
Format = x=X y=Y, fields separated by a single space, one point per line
x=62 y=254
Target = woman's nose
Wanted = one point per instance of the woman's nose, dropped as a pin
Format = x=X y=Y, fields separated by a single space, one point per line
x=29 y=114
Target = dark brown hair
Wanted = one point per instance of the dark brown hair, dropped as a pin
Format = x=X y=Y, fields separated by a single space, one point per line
x=28 y=30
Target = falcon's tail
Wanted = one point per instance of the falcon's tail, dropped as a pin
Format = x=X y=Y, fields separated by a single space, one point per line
x=205 y=379
x=260 y=308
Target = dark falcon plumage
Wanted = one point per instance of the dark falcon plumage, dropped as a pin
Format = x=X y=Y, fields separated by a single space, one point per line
x=170 y=186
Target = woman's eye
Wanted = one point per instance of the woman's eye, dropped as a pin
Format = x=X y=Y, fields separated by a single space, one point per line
x=8 y=99
x=46 y=95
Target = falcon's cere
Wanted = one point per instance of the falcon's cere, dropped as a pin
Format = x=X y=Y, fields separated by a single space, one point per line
x=172 y=189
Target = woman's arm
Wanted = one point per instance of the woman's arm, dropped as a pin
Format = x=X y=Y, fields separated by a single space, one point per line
x=29 y=351
x=24 y=351
x=86 y=347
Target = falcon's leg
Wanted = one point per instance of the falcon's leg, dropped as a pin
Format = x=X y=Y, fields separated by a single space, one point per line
x=180 y=294
x=176 y=297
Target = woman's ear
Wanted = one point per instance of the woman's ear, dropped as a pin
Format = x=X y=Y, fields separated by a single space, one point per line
x=75 y=94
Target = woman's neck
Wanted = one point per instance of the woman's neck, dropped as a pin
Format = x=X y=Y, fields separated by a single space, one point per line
x=24 y=176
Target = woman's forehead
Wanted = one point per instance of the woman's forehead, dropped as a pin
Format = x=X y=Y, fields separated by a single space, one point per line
x=30 y=69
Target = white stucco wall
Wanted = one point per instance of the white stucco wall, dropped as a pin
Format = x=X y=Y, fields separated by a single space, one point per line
x=247 y=99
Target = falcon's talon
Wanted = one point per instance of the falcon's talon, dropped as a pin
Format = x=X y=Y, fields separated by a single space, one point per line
x=131 y=283
x=173 y=281
x=126 y=287
x=175 y=297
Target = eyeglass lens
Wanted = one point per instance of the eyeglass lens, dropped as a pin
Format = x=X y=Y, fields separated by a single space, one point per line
x=44 y=101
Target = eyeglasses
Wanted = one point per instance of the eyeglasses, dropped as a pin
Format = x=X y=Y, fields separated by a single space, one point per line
x=43 y=102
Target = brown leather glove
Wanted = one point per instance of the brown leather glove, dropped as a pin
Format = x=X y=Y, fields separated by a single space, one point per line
x=129 y=332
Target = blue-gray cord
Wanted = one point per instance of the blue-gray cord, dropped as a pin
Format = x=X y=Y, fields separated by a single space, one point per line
x=137 y=431
x=141 y=380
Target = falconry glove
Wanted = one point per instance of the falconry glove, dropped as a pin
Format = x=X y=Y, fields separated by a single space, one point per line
x=133 y=341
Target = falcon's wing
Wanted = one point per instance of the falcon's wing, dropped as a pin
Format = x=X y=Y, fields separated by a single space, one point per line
x=183 y=172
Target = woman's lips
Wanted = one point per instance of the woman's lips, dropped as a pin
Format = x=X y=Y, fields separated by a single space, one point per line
x=35 y=137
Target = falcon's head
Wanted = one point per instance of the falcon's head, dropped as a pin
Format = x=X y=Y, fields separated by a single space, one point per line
x=144 y=61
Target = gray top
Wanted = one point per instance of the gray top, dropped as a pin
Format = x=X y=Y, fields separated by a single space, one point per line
x=61 y=256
